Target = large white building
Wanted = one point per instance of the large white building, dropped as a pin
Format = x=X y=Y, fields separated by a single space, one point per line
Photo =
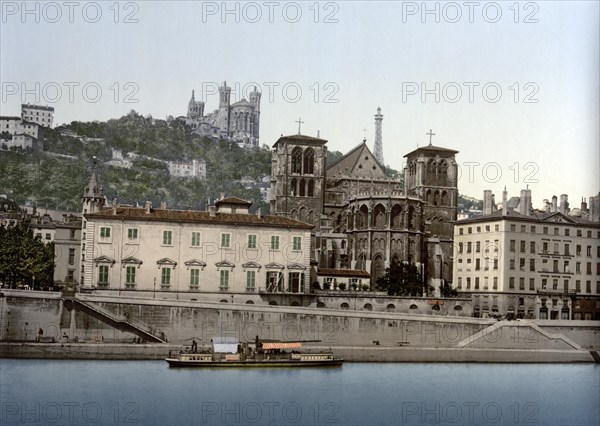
x=225 y=249
x=530 y=263
x=42 y=115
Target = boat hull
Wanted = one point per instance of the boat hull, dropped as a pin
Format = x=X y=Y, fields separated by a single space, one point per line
x=174 y=362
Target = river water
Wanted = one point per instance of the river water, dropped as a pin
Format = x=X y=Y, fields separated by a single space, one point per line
x=150 y=393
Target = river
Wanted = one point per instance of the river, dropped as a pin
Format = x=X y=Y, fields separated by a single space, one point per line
x=151 y=393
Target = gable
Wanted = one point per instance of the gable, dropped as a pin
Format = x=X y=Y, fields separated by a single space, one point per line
x=558 y=217
x=360 y=162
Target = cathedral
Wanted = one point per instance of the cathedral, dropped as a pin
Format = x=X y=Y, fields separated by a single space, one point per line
x=363 y=219
x=237 y=122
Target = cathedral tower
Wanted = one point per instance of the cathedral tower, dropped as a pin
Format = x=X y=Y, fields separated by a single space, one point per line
x=378 y=149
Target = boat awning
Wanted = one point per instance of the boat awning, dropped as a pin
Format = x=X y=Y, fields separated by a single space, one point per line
x=281 y=345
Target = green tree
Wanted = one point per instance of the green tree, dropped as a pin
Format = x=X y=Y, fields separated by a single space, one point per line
x=446 y=290
x=25 y=258
x=401 y=279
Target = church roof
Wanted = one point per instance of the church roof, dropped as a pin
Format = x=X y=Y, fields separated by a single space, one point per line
x=233 y=200
x=535 y=216
x=431 y=148
x=359 y=162
x=300 y=138
x=93 y=188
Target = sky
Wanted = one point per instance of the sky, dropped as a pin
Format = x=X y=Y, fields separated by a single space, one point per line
x=512 y=86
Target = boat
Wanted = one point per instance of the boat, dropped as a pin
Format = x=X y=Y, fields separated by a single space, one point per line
x=228 y=352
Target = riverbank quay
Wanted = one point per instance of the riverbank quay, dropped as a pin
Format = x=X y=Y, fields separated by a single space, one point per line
x=115 y=351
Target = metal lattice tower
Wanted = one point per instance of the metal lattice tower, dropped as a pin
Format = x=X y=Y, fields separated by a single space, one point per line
x=378 y=149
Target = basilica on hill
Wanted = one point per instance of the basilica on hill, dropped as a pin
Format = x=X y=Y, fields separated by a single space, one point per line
x=363 y=219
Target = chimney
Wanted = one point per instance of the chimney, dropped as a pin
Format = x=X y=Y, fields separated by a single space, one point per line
x=583 y=206
x=64 y=218
x=564 y=203
x=504 y=202
x=148 y=207
x=258 y=213
x=553 y=207
x=212 y=211
x=529 y=205
x=163 y=205
x=494 y=208
x=487 y=202
x=222 y=195
x=523 y=202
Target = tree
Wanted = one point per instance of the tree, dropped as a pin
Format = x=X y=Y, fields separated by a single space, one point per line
x=446 y=290
x=402 y=279
x=25 y=258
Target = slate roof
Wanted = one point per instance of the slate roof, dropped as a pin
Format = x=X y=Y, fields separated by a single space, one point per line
x=192 y=216
x=432 y=148
x=348 y=164
x=535 y=216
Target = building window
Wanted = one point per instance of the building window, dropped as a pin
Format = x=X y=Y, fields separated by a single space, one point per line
x=469 y=245
x=588 y=286
x=469 y=230
x=555 y=266
x=225 y=241
x=522 y=264
x=495 y=264
x=555 y=284
x=71 y=256
x=588 y=268
x=567 y=251
x=104 y=232
x=459 y=283
x=468 y=283
x=511 y=264
x=479 y=229
x=531 y=284
x=566 y=286
x=532 y=247
x=485 y=283
x=495 y=283
x=477 y=264
x=545 y=247
x=567 y=232
x=72 y=236
x=578 y=267
x=460 y=248
x=487 y=228
x=103 y=274
x=274 y=242
x=512 y=246
x=544 y=283
x=194 y=278
x=196 y=239
x=566 y=267
x=165 y=277
x=589 y=234
x=513 y=228
x=589 y=251
x=130 y=276
x=555 y=231
x=250 y=280
x=522 y=246
x=297 y=243
x=521 y=283
x=555 y=248
x=460 y=231
x=224 y=280
x=251 y=241
x=132 y=233
x=478 y=247
x=511 y=283
x=523 y=228
x=532 y=229
x=496 y=228
x=578 y=286
x=578 y=250
x=532 y=264
x=545 y=229
x=476 y=283
x=167 y=238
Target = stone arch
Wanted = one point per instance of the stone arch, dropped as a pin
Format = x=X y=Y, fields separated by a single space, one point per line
x=294 y=303
x=396 y=216
x=378 y=268
x=309 y=161
x=311 y=217
x=273 y=303
x=344 y=306
x=297 y=160
x=223 y=301
x=413 y=307
x=294 y=214
x=436 y=198
x=429 y=197
x=302 y=188
x=379 y=216
x=458 y=308
x=435 y=308
x=444 y=199
x=368 y=307
x=395 y=258
x=302 y=216
x=249 y=302
x=293 y=187
x=410 y=218
x=390 y=307
x=361 y=262
x=363 y=215
x=431 y=167
x=320 y=305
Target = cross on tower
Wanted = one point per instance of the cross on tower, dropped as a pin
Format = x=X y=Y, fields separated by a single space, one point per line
x=300 y=122
x=431 y=134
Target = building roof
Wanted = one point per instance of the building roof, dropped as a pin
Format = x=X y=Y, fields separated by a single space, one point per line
x=300 y=138
x=192 y=216
x=233 y=200
x=431 y=148
x=47 y=108
x=351 y=164
x=343 y=272
x=7 y=117
x=535 y=216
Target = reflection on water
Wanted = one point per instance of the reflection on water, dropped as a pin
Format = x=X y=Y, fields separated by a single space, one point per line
x=151 y=393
